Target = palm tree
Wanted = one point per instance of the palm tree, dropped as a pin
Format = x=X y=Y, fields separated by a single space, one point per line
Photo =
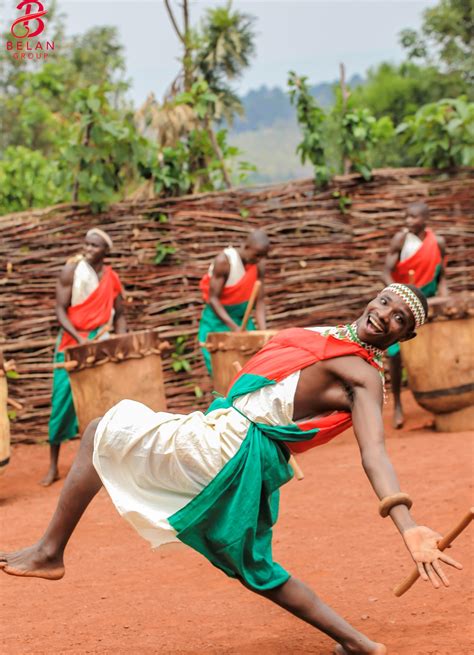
x=217 y=52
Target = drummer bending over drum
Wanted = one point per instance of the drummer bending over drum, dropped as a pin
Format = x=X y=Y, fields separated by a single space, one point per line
x=416 y=256
x=227 y=286
x=88 y=299
x=212 y=480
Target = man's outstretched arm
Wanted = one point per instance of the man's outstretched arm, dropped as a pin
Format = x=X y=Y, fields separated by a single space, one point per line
x=368 y=427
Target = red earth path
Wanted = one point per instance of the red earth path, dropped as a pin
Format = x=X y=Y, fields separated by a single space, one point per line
x=119 y=597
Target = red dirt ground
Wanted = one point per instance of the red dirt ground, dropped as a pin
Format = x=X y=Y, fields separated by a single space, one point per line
x=119 y=597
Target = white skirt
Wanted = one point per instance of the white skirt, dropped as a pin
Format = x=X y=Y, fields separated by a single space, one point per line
x=153 y=463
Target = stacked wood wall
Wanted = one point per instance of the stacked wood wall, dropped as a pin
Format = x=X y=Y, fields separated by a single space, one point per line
x=324 y=264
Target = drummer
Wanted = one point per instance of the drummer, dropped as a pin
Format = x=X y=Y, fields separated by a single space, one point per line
x=88 y=297
x=227 y=286
x=416 y=256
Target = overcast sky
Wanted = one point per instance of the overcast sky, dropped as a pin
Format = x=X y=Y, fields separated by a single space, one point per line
x=309 y=37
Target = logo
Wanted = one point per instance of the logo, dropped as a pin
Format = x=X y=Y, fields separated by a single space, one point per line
x=29 y=16
x=24 y=28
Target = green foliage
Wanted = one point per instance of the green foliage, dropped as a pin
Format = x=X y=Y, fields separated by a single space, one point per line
x=28 y=179
x=349 y=133
x=311 y=119
x=206 y=154
x=446 y=38
x=441 y=134
x=105 y=149
x=344 y=201
x=168 y=168
x=224 y=48
x=162 y=252
x=178 y=357
x=66 y=126
x=200 y=98
x=12 y=375
x=398 y=91
x=198 y=392
x=359 y=132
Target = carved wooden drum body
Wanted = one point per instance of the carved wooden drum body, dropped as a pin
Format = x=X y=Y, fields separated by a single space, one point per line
x=440 y=363
x=229 y=347
x=125 y=366
x=4 y=422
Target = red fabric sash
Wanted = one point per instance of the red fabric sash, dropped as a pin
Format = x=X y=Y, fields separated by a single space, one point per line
x=95 y=310
x=423 y=263
x=236 y=293
x=292 y=350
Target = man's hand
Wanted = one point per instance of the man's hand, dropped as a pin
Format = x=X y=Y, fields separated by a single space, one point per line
x=422 y=542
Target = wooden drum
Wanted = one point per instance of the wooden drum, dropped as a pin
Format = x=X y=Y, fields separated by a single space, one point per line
x=125 y=366
x=440 y=363
x=4 y=422
x=229 y=347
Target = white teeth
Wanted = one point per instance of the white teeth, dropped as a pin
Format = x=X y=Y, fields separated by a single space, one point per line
x=376 y=324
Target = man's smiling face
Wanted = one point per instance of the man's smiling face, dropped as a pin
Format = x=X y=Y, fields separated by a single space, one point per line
x=386 y=320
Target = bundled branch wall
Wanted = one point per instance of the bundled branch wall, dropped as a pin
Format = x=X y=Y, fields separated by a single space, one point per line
x=324 y=264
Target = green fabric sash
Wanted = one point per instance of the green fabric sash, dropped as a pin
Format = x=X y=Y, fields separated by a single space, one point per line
x=210 y=322
x=230 y=522
x=63 y=423
x=429 y=290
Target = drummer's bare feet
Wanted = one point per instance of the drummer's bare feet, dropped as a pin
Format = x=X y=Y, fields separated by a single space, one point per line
x=33 y=562
x=49 y=478
x=374 y=649
x=53 y=473
x=398 y=417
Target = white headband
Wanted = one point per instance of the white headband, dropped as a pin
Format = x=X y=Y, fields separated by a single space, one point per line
x=100 y=233
x=411 y=299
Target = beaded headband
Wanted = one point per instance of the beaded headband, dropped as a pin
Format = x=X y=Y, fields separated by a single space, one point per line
x=100 y=233
x=411 y=299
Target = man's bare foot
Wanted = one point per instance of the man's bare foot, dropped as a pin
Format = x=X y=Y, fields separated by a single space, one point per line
x=376 y=649
x=32 y=562
x=397 y=418
x=50 y=477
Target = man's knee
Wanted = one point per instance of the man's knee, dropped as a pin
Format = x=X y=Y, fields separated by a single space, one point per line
x=89 y=432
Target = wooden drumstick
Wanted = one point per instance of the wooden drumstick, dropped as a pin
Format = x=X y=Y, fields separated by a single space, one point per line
x=299 y=475
x=411 y=276
x=105 y=328
x=253 y=297
x=442 y=545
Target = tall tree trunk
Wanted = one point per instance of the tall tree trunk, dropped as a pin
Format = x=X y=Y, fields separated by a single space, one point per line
x=344 y=95
x=218 y=152
x=187 y=58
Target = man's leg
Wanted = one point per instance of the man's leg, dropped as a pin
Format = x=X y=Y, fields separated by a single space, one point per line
x=62 y=421
x=45 y=558
x=396 y=383
x=53 y=474
x=297 y=598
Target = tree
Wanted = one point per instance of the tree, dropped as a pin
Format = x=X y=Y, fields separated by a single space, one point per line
x=28 y=179
x=311 y=119
x=69 y=122
x=215 y=53
x=441 y=134
x=218 y=51
x=225 y=50
x=400 y=90
x=446 y=38
x=104 y=150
